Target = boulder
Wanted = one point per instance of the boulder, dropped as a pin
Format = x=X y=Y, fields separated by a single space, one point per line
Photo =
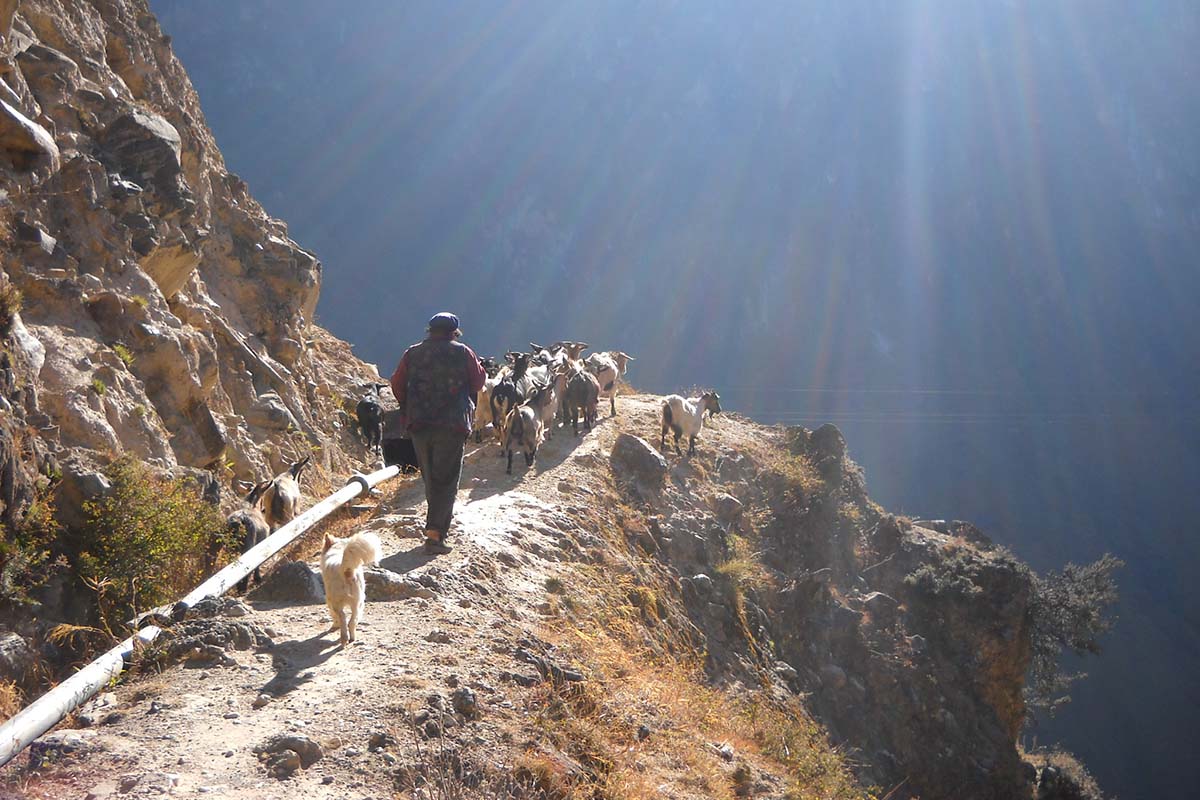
x=829 y=442
x=383 y=584
x=634 y=457
x=294 y=582
x=29 y=346
x=27 y=144
x=78 y=486
x=728 y=508
x=143 y=145
x=270 y=413
x=16 y=658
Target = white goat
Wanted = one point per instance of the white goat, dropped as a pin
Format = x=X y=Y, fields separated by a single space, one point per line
x=686 y=417
x=283 y=495
x=608 y=368
x=483 y=407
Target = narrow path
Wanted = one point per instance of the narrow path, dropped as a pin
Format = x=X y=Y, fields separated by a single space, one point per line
x=192 y=731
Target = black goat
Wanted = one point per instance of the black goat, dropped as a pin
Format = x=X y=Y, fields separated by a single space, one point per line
x=370 y=418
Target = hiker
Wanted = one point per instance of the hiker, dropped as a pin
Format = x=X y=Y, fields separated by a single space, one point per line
x=435 y=383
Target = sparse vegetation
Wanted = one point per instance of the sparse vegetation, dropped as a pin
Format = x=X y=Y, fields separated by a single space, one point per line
x=1069 y=611
x=141 y=301
x=99 y=387
x=10 y=305
x=797 y=476
x=124 y=353
x=25 y=552
x=144 y=542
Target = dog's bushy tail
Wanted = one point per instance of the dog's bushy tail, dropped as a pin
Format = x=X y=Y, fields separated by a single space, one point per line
x=361 y=548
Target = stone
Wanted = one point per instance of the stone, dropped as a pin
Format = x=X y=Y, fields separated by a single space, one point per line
x=829 y=442
x=308 y=751
x=261 y=701
x=383 y=584
x=464 y=702
x=634 y=458
x=881 y=607
x=786 y=671
x=292 y=581
x=702 y=584
x=60 y=744
x=16 y=658
x=438 y=637
x=728 y=508
x=27 y=144
x=270 y=413
x=143 y=145
x=381 y=740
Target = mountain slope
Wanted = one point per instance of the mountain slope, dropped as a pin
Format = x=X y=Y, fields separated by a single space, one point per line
x=746 y=596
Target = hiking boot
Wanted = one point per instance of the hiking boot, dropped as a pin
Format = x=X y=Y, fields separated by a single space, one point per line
x=436 y=548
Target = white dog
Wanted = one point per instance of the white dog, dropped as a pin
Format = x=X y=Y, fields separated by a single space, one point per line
x=342 y=563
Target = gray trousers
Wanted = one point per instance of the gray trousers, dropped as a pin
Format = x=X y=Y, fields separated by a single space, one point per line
x=440 y=456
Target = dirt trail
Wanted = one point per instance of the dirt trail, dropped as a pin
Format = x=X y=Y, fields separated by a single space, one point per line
x=192 y=730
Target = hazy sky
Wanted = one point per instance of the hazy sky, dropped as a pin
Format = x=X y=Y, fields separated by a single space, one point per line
x=968 y=233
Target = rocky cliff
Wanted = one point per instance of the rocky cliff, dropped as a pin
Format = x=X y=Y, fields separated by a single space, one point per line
x=150 y=307
x=614 y=623
x=161 y=312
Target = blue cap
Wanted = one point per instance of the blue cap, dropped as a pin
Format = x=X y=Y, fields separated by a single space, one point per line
x=445 y=321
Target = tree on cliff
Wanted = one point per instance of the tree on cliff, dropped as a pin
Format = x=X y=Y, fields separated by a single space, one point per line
x=1069 y=611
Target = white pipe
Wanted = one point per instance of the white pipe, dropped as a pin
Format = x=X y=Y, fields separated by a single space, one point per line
x=46 y=712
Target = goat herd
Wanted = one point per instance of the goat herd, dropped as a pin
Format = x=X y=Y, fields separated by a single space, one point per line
x=523 y=397
x=522 y=400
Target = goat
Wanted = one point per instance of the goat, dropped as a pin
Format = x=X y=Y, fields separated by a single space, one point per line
x=683 y=416
x=547 y=399
x=483 y=407
x=397 y=448
x=369 y=412
x=608 y=368
x=517 y=387
x=574 y=349
x=490 y=367
x=283 y=498
x=250 y=526
x=524 y=427
x=582 y=395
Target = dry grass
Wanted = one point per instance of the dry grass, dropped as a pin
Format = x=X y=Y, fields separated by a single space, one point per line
x=11 y=699
x=596 y=723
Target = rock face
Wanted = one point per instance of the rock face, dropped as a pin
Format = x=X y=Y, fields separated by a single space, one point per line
x=163 y=313
x=910 y=641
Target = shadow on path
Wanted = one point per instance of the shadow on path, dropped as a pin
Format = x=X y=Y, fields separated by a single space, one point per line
x=294 y=659
x=408 y=560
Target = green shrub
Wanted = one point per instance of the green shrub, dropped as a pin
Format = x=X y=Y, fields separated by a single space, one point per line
x=141 y=301
x=146 y=542
x=10 y=304
x=99 y=387
x=124 y=353
x=25 y=561
x=1069 y=610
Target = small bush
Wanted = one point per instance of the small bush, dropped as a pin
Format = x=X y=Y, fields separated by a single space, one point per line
x=141 y=301
x=1069 y=610
x=144 y=543
x=10 y=304
x=25 y=559
x=99 y=387
x=124 y=353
